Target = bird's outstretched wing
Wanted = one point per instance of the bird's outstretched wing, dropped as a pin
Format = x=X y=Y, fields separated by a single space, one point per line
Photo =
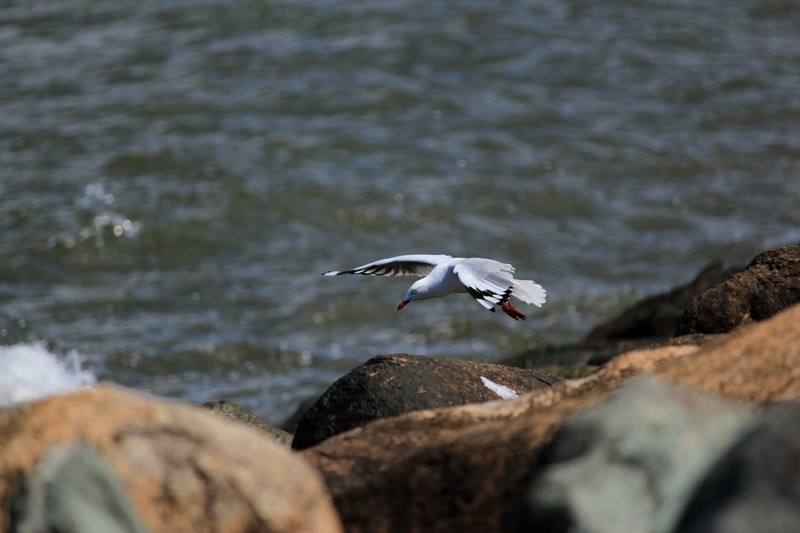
x=490 y=282
x=402 y=265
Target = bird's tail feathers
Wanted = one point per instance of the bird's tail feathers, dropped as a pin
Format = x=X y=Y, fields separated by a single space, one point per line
x=529 y=292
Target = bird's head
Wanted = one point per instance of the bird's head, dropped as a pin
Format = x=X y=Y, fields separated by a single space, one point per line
x=417 y=291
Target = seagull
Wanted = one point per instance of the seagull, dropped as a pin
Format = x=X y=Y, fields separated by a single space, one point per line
x=490 y=282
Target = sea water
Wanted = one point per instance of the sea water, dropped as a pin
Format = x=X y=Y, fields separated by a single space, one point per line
x=175 y=176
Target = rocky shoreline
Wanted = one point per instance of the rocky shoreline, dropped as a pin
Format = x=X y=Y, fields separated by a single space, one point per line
x=634 y=429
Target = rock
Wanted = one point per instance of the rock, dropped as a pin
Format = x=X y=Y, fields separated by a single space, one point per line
x=240 y=414
x=657 y=316
x=569 y=371
x=769 y=284
x=390 y=385
x=629 y=463
x=755 y=486
x=74 y=491
x=556 y=358
x=601 y=358
x=459 y=468
x=577 y=360
x=290 y=424
x=183 y=468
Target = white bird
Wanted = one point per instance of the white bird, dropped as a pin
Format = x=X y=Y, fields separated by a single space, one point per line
x=490 y=282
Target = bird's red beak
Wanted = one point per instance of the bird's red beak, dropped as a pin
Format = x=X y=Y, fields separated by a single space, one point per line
x=402 y=304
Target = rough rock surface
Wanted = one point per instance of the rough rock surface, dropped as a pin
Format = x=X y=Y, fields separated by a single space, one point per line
x=183 y=468
x=756 y=485
x=629 y=463
x=657 y=316
x=241 y=414
x=769 y=284
x=458 y=469
x=390 y=385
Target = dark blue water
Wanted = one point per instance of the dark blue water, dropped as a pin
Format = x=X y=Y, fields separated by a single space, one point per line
x=174 y=176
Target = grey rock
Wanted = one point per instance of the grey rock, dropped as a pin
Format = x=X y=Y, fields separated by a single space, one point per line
x=629 y=463
x=75 y=491
x=755 y=486
x=238 y=413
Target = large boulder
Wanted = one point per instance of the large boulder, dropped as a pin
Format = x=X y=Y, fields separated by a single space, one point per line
x=182 y=467
x=459 y=468
x=629 y=463
x=390 y=385
x=755 y=486
x=769 y=284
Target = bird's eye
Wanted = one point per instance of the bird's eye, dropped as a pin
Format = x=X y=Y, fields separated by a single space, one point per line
x=414 y=291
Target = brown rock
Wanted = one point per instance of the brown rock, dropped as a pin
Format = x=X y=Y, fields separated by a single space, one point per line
x=457 y=469
x=184 y=469
x=390 y=385
x=657 y=316
x=769 y=284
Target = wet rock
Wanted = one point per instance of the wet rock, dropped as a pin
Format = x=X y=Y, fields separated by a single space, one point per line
x=74 y=491
x=459 y=468
x=769 y=284
x=183 y=468
x=657 y=316
x=390 y=385
x=755 y=486
x=238 y=413
x=628 y=463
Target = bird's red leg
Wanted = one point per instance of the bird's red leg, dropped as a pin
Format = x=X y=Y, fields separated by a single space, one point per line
x=512 y=311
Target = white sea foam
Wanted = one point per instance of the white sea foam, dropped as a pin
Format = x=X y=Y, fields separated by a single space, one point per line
x=29 y=371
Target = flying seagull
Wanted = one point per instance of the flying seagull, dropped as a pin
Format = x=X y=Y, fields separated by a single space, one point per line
x=490 y=282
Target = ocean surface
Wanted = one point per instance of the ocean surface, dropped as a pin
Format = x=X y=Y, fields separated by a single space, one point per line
x=176 y=175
